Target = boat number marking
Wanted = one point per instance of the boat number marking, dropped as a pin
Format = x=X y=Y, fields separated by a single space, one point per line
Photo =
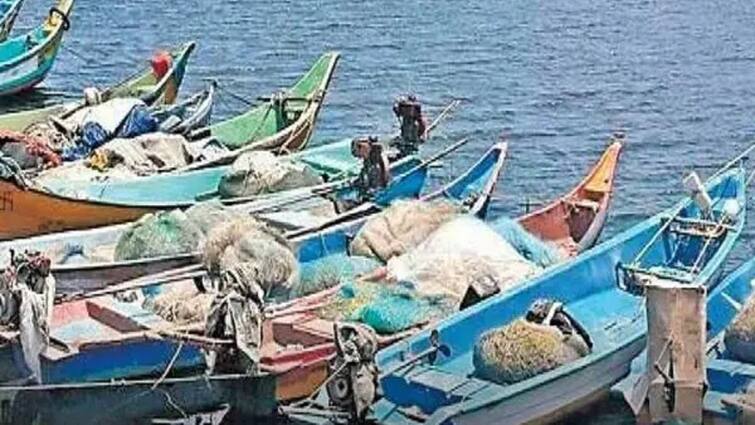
x=6 y=201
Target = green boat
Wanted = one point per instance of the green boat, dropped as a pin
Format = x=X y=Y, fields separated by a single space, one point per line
x=143 y=84
x=283 y=124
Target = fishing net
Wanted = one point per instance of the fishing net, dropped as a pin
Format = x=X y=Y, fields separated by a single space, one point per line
x=260 y=172
x=530 y=246
x=327 y=272
x=181 y=304
x=400 y=227
x=522 y=350
x=162 y=233
x=28 y=151
x=209 y=214
x=46 y=130
x=740 y=335
x=450 y=260
x=261 y=251
x=387 y=308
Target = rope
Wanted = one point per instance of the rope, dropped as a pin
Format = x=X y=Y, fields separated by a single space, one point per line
x=235 y=96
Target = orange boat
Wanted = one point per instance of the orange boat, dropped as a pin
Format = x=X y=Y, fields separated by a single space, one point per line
x=298 y=343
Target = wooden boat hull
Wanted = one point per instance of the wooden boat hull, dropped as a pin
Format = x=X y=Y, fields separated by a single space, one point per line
x=32 y=65
x=448 y=392
x=10 y=9
x=133 y=401
x=260 y=129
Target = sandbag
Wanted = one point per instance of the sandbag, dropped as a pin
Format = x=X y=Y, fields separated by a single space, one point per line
x=146 y=154
x=459 y=253
x=739 y=337
x=522 y=350
x=262 y=253
x=259 y=172
x=401 y=227
x=162 y=233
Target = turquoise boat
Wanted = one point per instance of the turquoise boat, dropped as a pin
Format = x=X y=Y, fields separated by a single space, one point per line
x=8 y=13
x=26 y=60
x=431 y=378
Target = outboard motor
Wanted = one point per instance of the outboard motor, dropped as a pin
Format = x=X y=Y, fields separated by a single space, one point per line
x=354 y=377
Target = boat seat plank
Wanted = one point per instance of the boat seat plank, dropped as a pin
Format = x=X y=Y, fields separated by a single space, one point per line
x=446 y=382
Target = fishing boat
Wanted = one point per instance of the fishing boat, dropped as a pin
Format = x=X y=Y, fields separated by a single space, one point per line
x=300 y=322
x=8 y=13
x=729 y=380
x=284 y=123
x=28 y=58
x=105 y=346
x=144 y=84
x=192 y=113
x=86 y=204
x=431 y=378
x=88 y=272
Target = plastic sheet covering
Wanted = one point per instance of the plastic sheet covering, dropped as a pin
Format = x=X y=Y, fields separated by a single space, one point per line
x=740 y=335
x=330 y=271
x=388 y=308
x=162 y=233
x=144 y=155
x=463 y=251
x=527 y=244
x=261 y=172
x=401 y=227
x=261 y=253
x=522 y=350
x=109 y=115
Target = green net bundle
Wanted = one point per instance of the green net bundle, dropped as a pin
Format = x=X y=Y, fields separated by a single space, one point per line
x=740 y=335
x=162 y=233
x=327 y=272
x=387 y=308
x=522 y=350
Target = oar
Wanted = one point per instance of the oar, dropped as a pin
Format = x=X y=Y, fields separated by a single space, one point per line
x=168 y=276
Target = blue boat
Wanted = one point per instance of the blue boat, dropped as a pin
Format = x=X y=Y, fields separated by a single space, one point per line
x=728 y=379
x=98 y=338
x=26 y=59
x=593 y=290
x=8 y=13
x=82 y=272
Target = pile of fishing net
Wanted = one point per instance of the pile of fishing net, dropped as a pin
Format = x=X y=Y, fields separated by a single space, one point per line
x=181 y=303
x=739 y=337
x=171 y=232
x=401 y=227
x=461 y=253
x=522 y=350
x=260 y=172
x=329 y=271
x=27 y=150
x=387 y=308
x=256 y=251
x=527 y=244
